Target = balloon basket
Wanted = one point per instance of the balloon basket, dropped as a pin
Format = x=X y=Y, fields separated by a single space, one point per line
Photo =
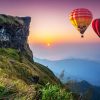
x=82 y=36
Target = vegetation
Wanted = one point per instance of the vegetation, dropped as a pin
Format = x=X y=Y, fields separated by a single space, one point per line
x=10 y=20
x=17 y=78
x=55 y=92
x=28 y=80
x=5 y=92
x=11 y=53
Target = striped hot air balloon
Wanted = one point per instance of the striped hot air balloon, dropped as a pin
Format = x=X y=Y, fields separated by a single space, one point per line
x=81 y=19
x=96 y=26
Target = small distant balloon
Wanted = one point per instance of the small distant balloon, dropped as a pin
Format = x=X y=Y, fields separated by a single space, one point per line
x=81 y=19
x=96 y=26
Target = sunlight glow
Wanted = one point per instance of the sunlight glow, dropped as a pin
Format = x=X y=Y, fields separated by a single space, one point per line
x=48 y=44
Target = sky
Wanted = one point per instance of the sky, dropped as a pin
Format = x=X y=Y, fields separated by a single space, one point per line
x=52 y=36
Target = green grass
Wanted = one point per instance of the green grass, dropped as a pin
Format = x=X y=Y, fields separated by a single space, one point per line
x=8 y=52
x=55 y=92
x=5 y=92
x=10 y=20
x=16 y=79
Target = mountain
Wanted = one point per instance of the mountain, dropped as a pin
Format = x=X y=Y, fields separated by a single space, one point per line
x=85 y=89
x=77 y=69
x=20 y=77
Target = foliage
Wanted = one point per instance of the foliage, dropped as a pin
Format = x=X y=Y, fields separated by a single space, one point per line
x=17 y=78
x=55 y=92
x=5 y=92
x=10 y=20
x=7 y=52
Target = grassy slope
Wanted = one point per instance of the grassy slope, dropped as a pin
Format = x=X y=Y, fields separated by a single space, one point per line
x=16 y=75
x=16 y=79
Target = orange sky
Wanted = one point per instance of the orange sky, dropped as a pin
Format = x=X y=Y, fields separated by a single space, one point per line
x=70 y=35
x=50 y=19
x=51 y=24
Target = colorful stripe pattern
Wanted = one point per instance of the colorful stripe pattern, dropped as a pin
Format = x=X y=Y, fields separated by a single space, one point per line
x=81 y=19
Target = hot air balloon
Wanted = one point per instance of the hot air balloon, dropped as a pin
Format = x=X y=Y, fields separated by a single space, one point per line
x=81 y=19
x=96 y=26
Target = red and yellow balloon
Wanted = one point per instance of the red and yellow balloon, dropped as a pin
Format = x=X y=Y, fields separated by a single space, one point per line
x=81 y=19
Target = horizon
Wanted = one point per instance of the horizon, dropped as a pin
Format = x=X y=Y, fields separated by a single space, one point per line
x=66 y=51
x=70 y=58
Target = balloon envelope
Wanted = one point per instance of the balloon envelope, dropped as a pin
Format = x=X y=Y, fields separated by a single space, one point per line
x=81 y=19
x=96 y=26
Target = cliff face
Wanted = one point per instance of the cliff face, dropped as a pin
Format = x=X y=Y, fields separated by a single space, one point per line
x=19 y=75
x=14 y=33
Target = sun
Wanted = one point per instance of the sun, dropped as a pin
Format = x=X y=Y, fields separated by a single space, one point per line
x=48 y=44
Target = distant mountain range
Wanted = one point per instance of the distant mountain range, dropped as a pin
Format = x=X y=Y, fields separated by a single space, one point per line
x=86 y=90
x=74 y=69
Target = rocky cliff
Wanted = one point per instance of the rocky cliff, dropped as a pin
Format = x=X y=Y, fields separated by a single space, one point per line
x=14 y=32
x=20 y=77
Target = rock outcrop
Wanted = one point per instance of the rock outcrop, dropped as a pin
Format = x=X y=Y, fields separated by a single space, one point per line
x=14 y=33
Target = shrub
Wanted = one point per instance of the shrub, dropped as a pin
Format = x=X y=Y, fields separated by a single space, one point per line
x=5 y=92
x=12 y=53
x=55 y=92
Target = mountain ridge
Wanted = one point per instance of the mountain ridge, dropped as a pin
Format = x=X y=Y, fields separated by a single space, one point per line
x=75 y=67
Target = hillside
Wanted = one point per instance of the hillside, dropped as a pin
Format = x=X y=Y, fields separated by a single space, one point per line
x=85 y=89
x=22 y=79
x=22 y=76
